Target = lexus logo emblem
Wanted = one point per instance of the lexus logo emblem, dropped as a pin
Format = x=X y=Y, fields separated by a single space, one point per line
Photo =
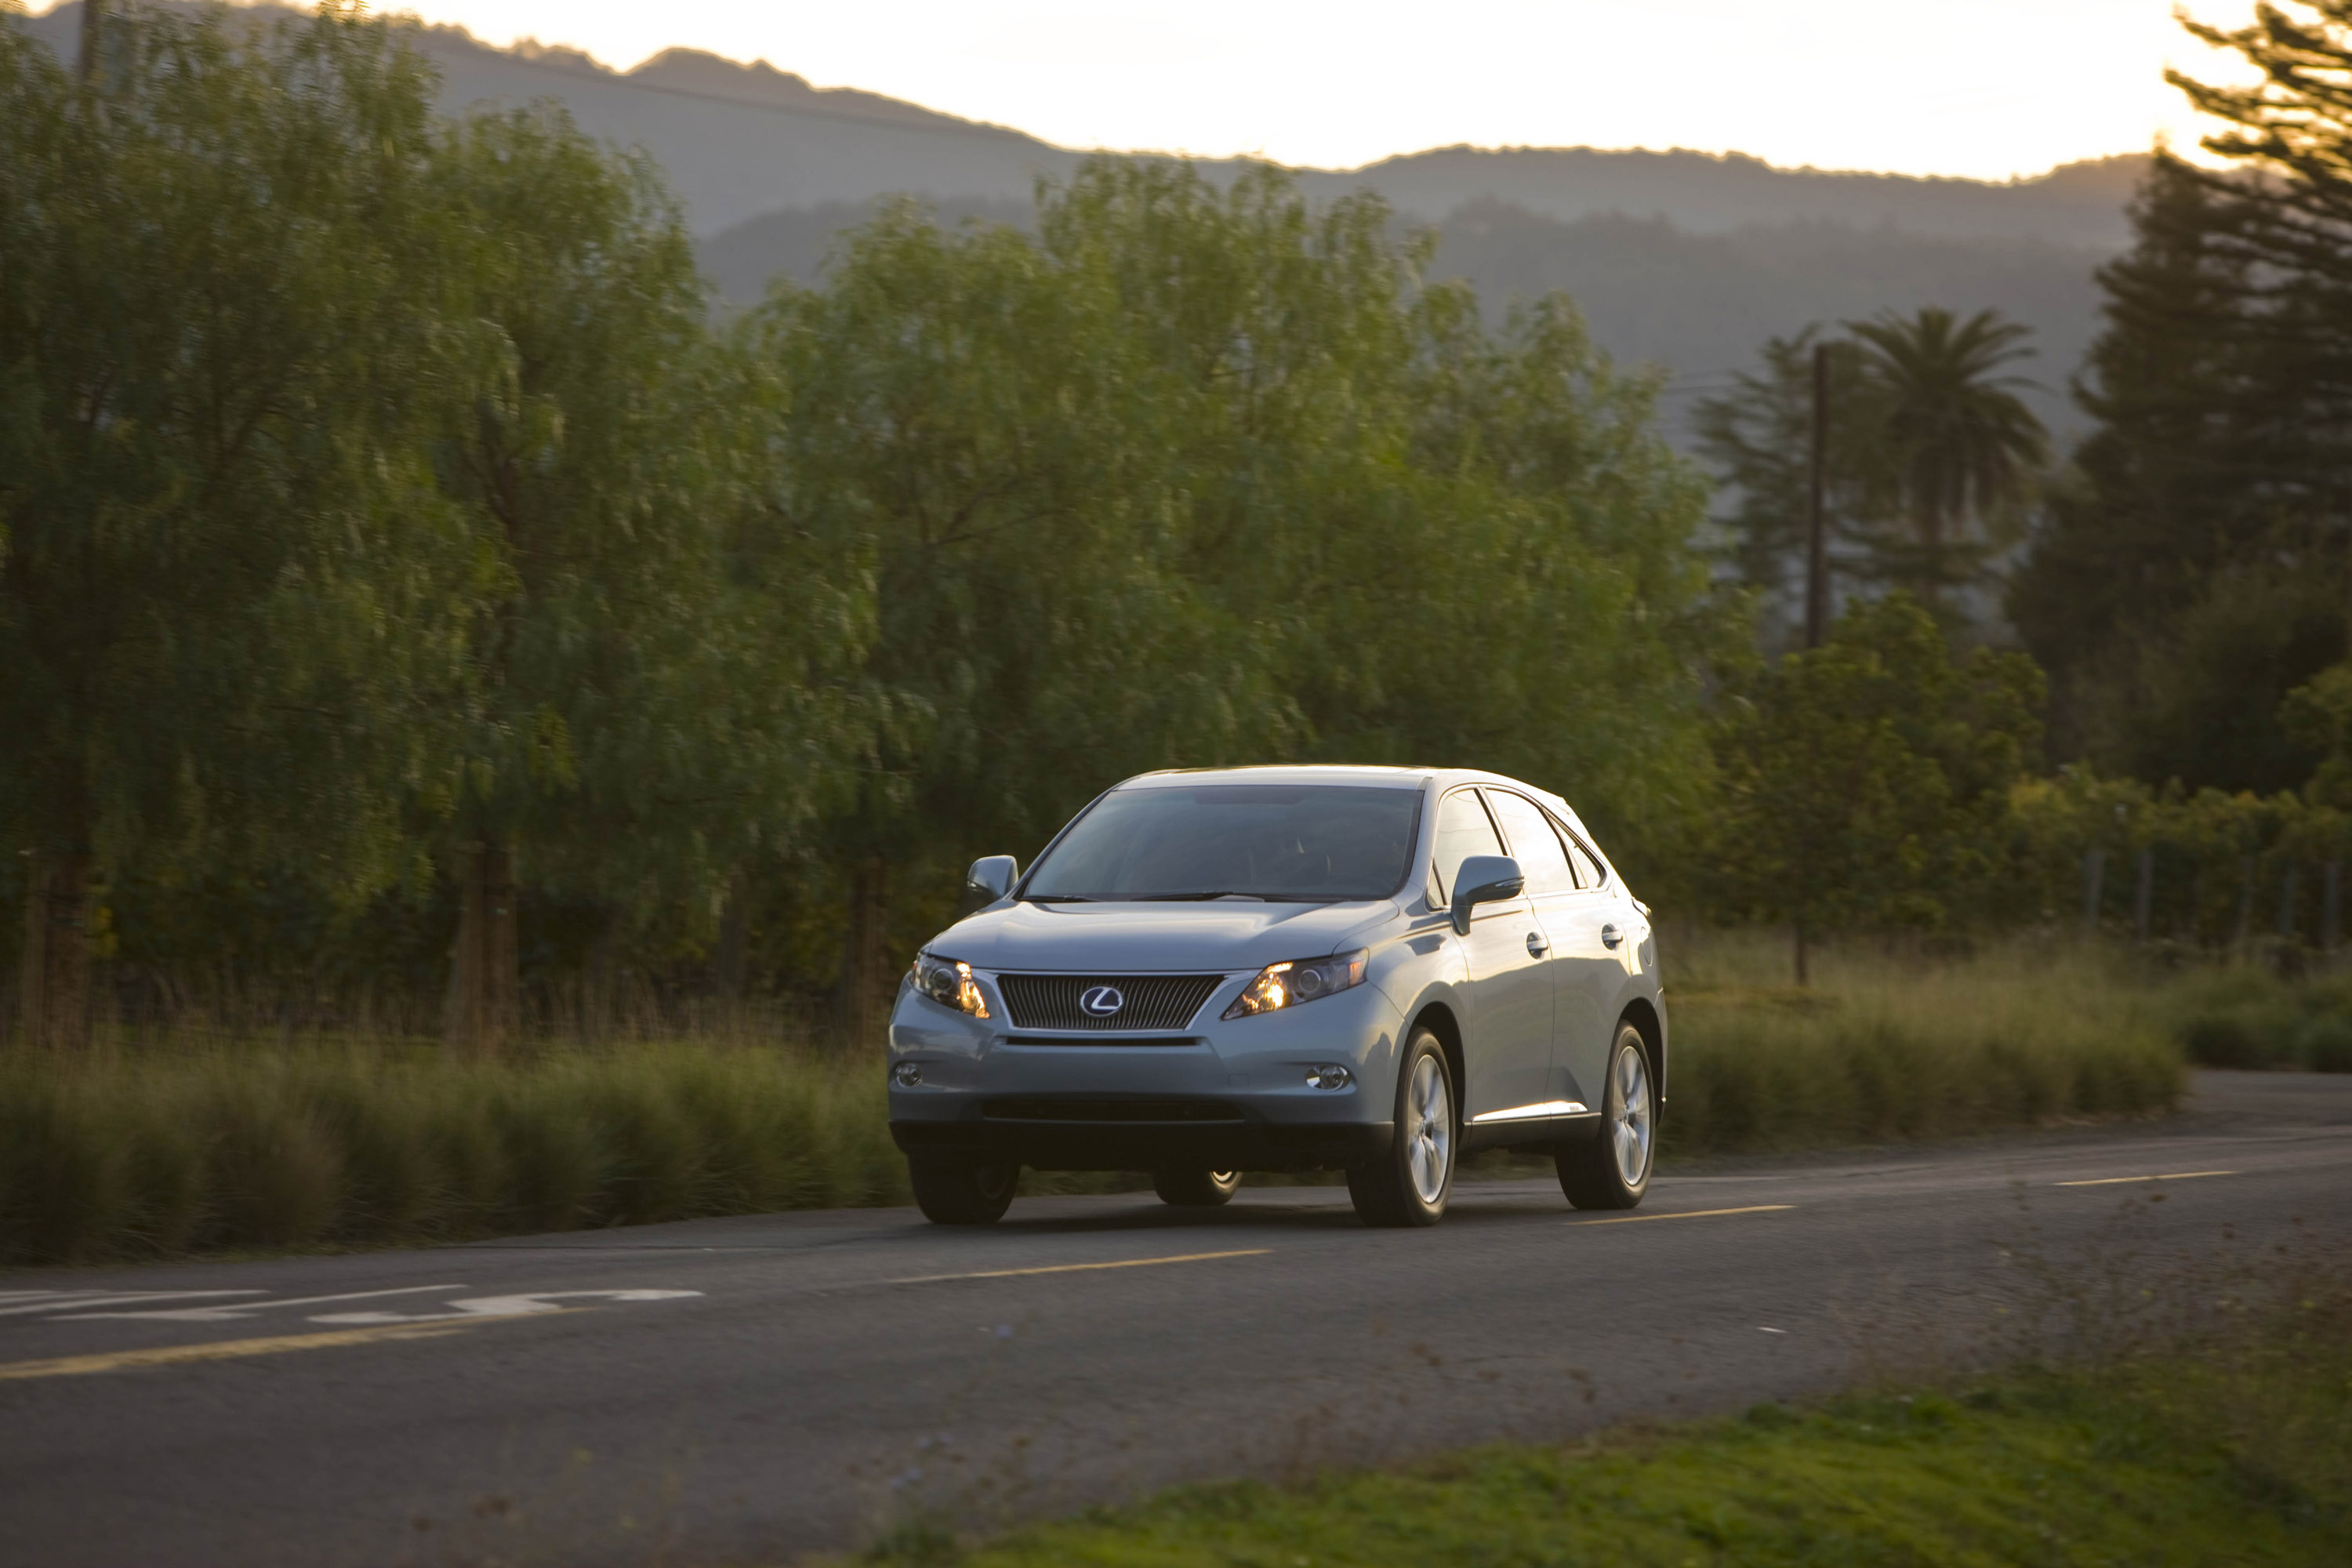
x=1101 y=1001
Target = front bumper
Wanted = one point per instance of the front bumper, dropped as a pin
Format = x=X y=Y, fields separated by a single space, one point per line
x=1125 y=1144
x=1221 y=1095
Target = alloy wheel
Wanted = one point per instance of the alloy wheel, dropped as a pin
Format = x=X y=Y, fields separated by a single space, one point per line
x=1629 y=1127
x=1429 y=1129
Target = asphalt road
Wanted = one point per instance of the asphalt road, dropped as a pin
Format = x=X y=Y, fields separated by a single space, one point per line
x=751 y=1389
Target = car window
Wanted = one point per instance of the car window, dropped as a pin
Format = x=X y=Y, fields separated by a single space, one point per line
x=1589 y=873
x=1534 y=843
x=1307 y=842
x=1463 y=831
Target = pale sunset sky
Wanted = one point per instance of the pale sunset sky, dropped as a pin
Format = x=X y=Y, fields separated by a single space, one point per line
x=1983 y=88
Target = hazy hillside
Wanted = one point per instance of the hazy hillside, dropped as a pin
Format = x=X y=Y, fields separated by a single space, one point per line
x=738 y=141
x=1684 y=259
x=1698 y=303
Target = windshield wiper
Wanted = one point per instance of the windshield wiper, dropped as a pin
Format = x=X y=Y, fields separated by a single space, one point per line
x=1057 y=898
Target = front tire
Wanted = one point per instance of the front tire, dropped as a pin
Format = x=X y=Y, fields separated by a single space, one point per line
x=960 y=1189
x=1612 y=1171
x=1410 y=1184
x=1196 y=1189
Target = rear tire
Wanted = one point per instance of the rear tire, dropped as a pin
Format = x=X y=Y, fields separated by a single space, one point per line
x=1196 y=1189
x=1410 y=1184
x=960 y=1189
x=1612 y=1171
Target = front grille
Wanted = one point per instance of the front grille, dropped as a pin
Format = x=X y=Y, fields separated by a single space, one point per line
x=1161 y=1110
x=1147 y=1001
x=1098 y=1041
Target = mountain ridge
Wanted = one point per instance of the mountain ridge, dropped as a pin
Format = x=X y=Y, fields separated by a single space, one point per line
x=689 y=109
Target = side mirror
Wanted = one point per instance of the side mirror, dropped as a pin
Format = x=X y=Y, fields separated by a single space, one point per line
x=991 y=877
x=1485 y=879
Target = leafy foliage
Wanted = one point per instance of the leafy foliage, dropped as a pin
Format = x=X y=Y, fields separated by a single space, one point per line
x=1198 y=476
x=2196 y=563
x=1930 y=458
x=1864 y=785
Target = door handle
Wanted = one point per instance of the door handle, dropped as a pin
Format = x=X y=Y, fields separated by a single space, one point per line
x=1536 y=944
x=1610 y=936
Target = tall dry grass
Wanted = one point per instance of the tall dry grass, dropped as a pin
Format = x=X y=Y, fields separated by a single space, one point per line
x=162 y=1150
x=199 y=1140
x=1884 y=1048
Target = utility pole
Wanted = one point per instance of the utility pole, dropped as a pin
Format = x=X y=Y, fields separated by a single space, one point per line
x=1817 y=552
x=93 y=15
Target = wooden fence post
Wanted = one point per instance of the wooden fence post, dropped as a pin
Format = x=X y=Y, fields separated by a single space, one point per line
x=2144 y=895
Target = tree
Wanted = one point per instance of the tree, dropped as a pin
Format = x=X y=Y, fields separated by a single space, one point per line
x=650 y=699
x=1757 y=438
x=1864 y=785
x=2208 y=517
x=1961 y=446
x=228 y=578
x=1198 y=476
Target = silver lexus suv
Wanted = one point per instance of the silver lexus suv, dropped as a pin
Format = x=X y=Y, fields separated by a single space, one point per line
x=1370 y=970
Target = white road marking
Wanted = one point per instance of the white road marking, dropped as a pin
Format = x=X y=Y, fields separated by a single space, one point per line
x=2118 y=1180
x=502 y=1305
x=74 y=1300
x=228 y=1312
x=1081 y=1268
x=1687 y=1214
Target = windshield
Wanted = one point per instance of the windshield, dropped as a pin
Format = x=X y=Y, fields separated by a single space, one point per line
x=1307 y=842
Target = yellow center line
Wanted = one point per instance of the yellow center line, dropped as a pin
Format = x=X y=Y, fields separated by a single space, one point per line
x=227 y=1350
x=1078 y=1267
x=1685 y=1214
x=2168 y=1176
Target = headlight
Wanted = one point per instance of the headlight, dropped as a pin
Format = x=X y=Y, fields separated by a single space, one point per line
x=948 y=983
x=1302 y=980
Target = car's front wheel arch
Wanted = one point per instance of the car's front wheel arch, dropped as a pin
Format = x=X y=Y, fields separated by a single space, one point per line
x=1439 y=1020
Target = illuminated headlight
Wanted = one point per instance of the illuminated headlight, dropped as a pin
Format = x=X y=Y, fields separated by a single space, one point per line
x=1279 y=985
x=948 y=983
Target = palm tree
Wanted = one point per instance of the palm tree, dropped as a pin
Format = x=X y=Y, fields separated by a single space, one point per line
x=1961 y=444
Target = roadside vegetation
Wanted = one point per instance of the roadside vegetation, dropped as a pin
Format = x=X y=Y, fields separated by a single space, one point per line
x=183 y=1141
x=416 y=600
x=1883 y=1048
x=2225 y=1438
x=447 y=664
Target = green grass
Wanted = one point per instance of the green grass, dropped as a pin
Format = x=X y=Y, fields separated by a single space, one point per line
x=191 y=1143
x=2248 y=1018
x=2233 y=1450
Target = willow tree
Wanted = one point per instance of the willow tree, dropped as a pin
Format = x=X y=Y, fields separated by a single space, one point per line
x=960 y=401
x=650 y=695
x=225 y=606
x=1203 y=474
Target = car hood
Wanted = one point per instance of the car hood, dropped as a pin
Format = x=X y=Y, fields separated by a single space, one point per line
x=1226 y=934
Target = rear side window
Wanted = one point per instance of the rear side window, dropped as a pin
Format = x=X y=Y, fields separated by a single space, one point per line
x=1463 y=831
x=1534 y=843
x=1589 y=873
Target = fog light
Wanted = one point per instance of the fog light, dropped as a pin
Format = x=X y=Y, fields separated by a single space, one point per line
x=908 y=1073
x=1327 y=1075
